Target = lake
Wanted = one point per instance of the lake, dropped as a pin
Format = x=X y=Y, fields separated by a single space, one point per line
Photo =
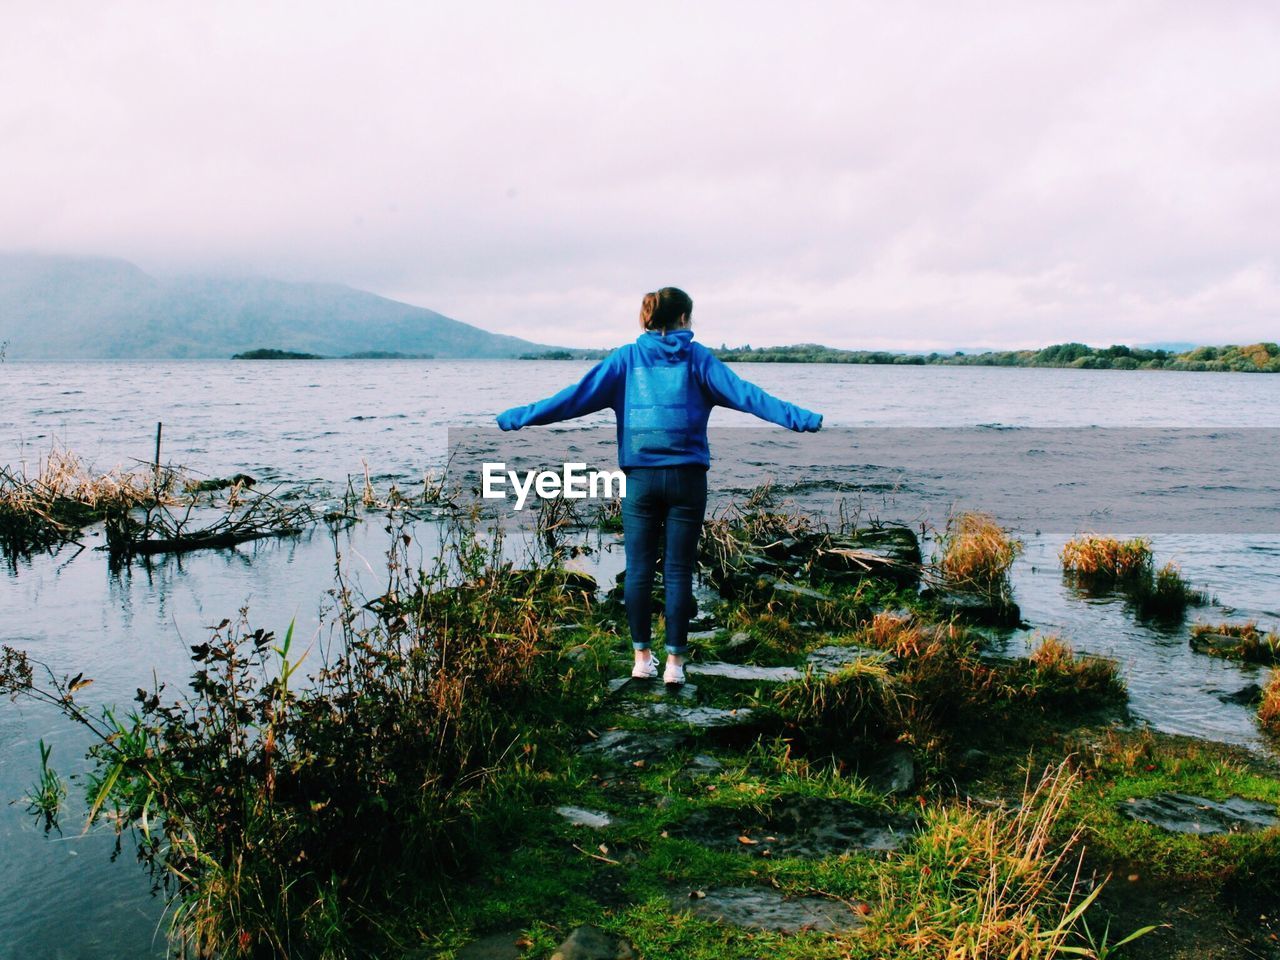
x=318 y=423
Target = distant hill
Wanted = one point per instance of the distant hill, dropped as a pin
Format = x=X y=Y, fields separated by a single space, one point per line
x=98 y=308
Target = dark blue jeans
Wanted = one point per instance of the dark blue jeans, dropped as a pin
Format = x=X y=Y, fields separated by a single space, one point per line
x=670 y=501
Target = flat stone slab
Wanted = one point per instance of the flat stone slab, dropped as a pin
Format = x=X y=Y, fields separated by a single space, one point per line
x=835 y=657
x=828 y=659
x=632 y=746
x=742 y=671
x=1184 y=813
x=591 y=943
x=496 y=946
x=703 y=717
x=798 y=592
x=1250 y=695
x=796 y=827
x=891 y=771
x=976 y=608
x=760 y=908
x=631 y=687
x=703 y=765
x=582 y=817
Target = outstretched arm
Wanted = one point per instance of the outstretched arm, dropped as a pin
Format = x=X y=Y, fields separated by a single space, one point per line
x=728 y=389
x=595 y=391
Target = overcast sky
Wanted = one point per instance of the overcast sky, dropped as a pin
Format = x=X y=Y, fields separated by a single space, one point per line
x=865 y=175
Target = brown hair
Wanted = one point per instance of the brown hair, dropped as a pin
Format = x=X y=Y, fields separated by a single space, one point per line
x=662 y=309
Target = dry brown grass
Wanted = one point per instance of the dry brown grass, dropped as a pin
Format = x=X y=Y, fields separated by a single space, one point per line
x=1269 y=710
x=1106 y=557
x=65 y=495
x=982 y=883
x=943 y=686
x=745 y=525
x=976 y=551
x=1058 y=676
x=1253 y=644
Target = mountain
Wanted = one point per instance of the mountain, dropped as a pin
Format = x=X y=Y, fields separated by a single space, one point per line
x=98 y=308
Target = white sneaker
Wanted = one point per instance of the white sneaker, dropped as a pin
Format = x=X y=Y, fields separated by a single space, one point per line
x=674 y=673
x=645 y=671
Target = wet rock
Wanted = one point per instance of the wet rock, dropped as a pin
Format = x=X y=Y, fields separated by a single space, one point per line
x=705 y=718
x=1249 y=695
x=1215 y=643
x=687 y=692
x=631 y=746
x=703 y=765
x=759 y=908
x=836 y=657
x=579 y=584
x=629 y=686
x=893 y=771
x=220 y=483
x=1184 y=813
x=742 y=671
x=973 y=757
x=889 y=553
x=978 y=608
x=582 y=817
x=592 y=943
x=795 y=592
x=796 y=827
x=496 y=946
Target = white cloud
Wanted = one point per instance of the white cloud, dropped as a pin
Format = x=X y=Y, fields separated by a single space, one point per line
x=921 y=175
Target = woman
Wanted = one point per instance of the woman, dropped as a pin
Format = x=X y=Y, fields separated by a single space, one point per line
x=661 y=389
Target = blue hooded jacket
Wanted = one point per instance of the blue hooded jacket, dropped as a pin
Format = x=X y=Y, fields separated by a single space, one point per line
x=661 y=389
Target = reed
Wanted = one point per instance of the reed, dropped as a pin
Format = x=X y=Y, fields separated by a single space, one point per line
x=1100 y=563
x=64 y=496
x=1164 y=594
x=990 y=883
x=977 y=553
x=1106 y=558
x=1269 y=709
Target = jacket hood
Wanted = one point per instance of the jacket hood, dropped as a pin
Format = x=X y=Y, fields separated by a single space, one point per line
x=671 y=346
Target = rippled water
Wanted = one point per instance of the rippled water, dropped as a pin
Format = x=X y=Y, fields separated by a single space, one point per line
x=63 y=897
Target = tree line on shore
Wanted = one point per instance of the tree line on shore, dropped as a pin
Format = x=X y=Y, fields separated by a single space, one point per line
x=1252 y=358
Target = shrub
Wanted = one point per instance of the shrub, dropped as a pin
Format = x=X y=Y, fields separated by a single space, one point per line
x=278 y=813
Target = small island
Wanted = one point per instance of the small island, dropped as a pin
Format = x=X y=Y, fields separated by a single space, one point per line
x=264 y=354
x=273 y=354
